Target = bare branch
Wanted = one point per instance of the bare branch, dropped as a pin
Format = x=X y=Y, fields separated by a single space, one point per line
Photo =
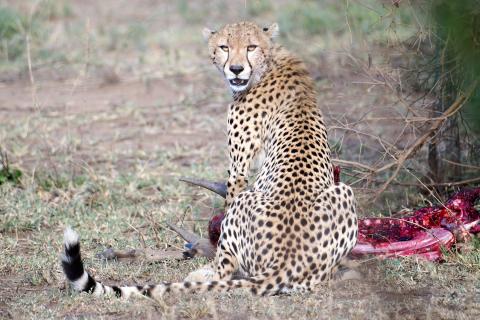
x=422 y=140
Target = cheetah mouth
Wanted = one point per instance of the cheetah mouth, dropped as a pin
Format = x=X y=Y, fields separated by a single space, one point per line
x=238 y=82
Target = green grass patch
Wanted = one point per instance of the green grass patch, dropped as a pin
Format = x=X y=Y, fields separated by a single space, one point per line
x=12 y=36
x=11 y=175
x=17 y=26
x=371 y=20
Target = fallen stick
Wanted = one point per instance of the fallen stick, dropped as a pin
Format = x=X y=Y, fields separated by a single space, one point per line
x=149 y=255
x=196 y=247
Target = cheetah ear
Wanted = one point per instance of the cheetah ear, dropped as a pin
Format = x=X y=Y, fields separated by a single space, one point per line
x=207 y=33
x=272 y=30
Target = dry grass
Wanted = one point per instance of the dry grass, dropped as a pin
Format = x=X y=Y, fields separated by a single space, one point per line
x=110 y=103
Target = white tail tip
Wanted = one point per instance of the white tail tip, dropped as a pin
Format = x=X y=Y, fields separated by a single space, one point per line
x=70 y=237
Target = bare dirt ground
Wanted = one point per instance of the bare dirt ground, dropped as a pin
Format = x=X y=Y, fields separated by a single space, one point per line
x=103 y=133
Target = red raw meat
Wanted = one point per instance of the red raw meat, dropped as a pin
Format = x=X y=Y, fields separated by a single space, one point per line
x=214 y=227
x=423 y=231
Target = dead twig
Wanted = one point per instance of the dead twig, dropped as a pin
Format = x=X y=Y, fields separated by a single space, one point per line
x=461 y=164
x=353 y=164
x=446 y=184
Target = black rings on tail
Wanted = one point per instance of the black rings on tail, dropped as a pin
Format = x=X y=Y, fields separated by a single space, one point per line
x=73 y=268
x=72 y=263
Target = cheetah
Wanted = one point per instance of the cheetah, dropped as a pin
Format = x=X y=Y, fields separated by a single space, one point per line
x=289 y=231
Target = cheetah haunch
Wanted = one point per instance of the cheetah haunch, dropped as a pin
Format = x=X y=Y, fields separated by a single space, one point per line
x=289 y=231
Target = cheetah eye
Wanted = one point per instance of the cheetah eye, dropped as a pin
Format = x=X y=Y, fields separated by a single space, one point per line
x=224 y=48
x=251 y=47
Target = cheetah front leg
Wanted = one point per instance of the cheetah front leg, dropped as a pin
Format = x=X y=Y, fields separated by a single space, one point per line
x=225 y=265
x=244 y=142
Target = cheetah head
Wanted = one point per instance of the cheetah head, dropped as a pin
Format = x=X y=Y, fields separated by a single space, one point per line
x=242 y=52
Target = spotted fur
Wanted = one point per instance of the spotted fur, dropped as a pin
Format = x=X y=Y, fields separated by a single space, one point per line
x=290 y=230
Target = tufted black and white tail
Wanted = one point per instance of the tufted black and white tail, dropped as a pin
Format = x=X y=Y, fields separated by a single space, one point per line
x=73 y=268
x=81 y=281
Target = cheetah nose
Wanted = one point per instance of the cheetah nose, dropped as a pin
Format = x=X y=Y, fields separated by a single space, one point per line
x=236 y=69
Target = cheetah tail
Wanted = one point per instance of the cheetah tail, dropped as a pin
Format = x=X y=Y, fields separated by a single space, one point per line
x=81 y=280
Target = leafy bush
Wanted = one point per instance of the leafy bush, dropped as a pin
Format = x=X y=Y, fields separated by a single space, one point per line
x=12 y=175
x=457 y=25
x=11 y=34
